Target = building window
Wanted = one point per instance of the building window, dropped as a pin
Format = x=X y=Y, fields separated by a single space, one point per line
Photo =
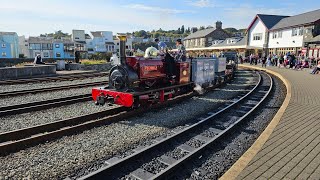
x=46 y=46
x=45 y=54
x=35 y=46
x=58 y=55
x=57 y=45
x=3 y=45
x=274 y=35
x=76 y=38
x=257 y=36
x=300 y=31
x=3 y=54
x=294 y=31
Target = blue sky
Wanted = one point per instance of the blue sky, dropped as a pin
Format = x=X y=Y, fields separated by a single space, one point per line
x=32 y=17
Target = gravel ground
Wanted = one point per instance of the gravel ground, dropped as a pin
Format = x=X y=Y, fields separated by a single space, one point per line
x=218 y=159
x=20 y=87
x=82 y=153
x=14 y=122
x=9 y=101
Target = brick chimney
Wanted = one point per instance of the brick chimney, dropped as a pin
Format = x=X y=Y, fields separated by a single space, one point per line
x=218 y=25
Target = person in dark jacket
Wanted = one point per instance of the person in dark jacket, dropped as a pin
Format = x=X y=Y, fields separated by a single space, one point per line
x=38 y=59
x=77 y=56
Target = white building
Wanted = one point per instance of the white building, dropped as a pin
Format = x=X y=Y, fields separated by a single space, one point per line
x=258 y=32
x=79 y=39
x=103 y=41
x=128 y=44
x=24 y=46
x=291 y=33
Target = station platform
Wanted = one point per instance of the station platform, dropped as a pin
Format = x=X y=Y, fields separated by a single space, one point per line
x=289 y=148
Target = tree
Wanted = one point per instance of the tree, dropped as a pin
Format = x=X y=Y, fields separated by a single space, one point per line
x=202 y=28
x=156 y=35
x=182 y=29
x=188 y=30
x=179 y=31
x=141 y=33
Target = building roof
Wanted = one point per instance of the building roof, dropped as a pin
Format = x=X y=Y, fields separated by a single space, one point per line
x=268 y=20
x=109 y=43
x=97 y=34
x=300 y=19
x=314 y=39
x=200 y=33
x=8 y=33
x=40 y=39
x=66 y=41
x=238 y=41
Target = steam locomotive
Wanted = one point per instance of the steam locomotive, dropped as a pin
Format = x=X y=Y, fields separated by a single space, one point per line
x=137 y=81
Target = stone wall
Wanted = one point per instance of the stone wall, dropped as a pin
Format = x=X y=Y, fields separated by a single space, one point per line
x=27 y=71
x=94 y=67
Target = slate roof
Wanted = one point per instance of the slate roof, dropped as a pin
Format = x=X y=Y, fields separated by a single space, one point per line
x=300 y=19
x=96 y=34
x=200 y=33
x=314 y=39
x=270 y=20
x=8 y=33
x=239 y=41
x=40 y=39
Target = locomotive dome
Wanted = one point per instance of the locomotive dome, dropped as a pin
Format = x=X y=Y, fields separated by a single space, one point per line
x=151 y=52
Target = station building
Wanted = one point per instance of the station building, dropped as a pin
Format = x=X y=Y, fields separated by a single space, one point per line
x=266 y=34
x=297 y=34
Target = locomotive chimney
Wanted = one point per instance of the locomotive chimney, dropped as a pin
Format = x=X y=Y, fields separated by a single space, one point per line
x=122 y=51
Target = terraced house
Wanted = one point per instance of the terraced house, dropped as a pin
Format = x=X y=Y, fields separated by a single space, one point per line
x=206 y=37
x=9 y=45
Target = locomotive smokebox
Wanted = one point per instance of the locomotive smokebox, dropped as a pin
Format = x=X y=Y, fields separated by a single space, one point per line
x=122 y=77
x=122 y=47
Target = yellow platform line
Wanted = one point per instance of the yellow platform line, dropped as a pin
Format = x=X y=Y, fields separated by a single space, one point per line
x=244 y=160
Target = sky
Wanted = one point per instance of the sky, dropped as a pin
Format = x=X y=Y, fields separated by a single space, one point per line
x=35 y=17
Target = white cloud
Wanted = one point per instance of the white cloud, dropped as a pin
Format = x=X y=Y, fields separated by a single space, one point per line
x=33 y=17
x=201 y=3
x=157 y=9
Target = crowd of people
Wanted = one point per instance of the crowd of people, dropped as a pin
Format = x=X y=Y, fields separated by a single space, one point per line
x=288 y=60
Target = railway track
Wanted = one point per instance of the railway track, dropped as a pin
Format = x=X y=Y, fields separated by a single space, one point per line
x=16 y=140
x=161 y=159
x=41 y=105
x=55 y=78
x=40 y=90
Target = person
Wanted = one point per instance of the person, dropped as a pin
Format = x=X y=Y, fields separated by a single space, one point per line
x=77 y=56
x=250 y=59
x=281 y=61
x=241 y=59
x=181 y=54
x=38 y=59
x=264 y=60
x=269 y=60
x=161 y=46
x=316 y=69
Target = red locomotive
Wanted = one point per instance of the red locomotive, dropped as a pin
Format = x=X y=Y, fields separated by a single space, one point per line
x=138 y=80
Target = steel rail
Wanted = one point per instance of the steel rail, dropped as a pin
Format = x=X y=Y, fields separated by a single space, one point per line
x=115 y=169
x=53 y=78
x=57 y=88
x=23 y=138
x=41 y=105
